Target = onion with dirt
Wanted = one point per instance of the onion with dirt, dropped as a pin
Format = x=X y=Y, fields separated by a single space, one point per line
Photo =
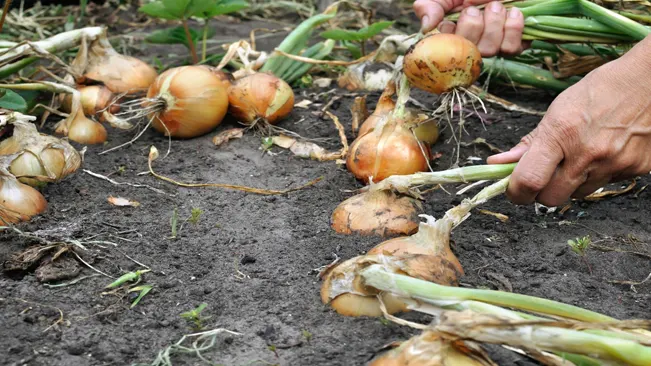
x=260 y=97
x=187 y=101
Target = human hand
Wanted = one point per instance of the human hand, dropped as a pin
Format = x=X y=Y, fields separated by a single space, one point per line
x=597 y=131
x=495 y=31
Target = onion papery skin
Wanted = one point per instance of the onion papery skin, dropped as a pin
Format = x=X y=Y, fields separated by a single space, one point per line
x=388 y=149
x=344 y=292
x=94 y=98
x=260 y=96
x=120 y=73
x=442 y=62
x=195 y=101
x=426 y=349
x=382 y=213
x=18 y=201
x=44 y=157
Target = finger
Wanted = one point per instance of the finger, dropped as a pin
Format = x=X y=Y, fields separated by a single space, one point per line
x=493 y=34
x=535 y=169
x=561 y=186
x=512 y=42
x=447 y=26
x=432 y=12
x=471 y=24
x=590 y=186
x=510 y=156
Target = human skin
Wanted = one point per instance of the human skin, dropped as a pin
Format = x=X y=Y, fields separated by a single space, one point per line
x=596 y=132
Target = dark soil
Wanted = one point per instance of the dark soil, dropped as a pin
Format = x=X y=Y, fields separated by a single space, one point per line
x=254 y=259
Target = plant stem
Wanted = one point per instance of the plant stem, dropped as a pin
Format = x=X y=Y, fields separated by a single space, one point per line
x=43 y=86
x=5 y=10
x=638 y=17
x=293 y=43
x=556 y=34
x=526 y=74
x=193 y=51
x=376 y=276
x=616 y=21
x=576 y=24
x=54 y=44
x=298 y=68
x=402 y=183
x=203 y=42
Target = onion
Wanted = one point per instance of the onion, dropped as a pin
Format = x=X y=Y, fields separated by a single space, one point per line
x=345 y=292
x=18 y=202
x=37 y=158
x=188 y=101
x=260 y=97
x=121 y=74
x=384 y=107
x=442 y=62
x=381 y=213
x=425 y=255
x=388 y=149
x=94 y=98
x=428 y=349
x=79 y=128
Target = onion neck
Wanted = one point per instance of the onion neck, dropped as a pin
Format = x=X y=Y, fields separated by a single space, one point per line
x=403 y=97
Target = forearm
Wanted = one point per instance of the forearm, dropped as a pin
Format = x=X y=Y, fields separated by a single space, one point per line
x=639 y=58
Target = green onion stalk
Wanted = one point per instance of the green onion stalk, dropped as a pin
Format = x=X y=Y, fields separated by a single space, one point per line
x=294 y=43
x=406 y=183
x=494 y=324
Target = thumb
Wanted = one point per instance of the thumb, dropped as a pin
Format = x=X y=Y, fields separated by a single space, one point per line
x=516 y=152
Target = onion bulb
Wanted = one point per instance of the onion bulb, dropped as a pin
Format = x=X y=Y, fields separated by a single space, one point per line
x=390 y=148
x=37 y=158
x=121 y=74
x=187 y=101
x=79 y=128
x=384 y=107
x=260 y=97
x=432 y=241
x=18 y=201
x=441 y=62
x=429 y=349
x=94 y=98
x=345 y=292
x=380 y=212
x=425 y=255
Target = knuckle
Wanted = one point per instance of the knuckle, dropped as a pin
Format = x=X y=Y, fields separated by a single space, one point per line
x=488 y=49
x=510 y=48
x=529 y=180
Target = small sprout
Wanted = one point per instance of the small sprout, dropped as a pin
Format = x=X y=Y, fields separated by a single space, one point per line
x=174 y=221
x=307 y=335
x=580 y=245
x=384 y=321
x=195 y=316
x=143 y=290
x=273 y=349
x=121 y=169
x=195 y=215
x=305 y=82
x=128 y=277
x=267 y=143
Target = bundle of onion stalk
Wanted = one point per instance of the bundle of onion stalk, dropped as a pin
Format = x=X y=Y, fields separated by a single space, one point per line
x=391 y=207
x=36 y=159
x=553 y=333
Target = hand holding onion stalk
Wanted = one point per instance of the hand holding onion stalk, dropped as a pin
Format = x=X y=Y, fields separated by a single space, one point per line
x=37 y=159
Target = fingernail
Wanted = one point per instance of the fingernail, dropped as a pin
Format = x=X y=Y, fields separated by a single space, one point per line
x=514 y=13
x=473 y=12
x=425 y=23
x=495 y=7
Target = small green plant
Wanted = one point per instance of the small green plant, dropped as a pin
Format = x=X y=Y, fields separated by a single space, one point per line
x=194 y=316
x=13 y=101
x=183 y=10
x=134 y=277
x=355 y=40
x=195 y=214
x=307 y=335
x=580 y=246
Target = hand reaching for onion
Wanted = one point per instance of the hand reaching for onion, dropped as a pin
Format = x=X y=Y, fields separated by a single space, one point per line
x=597 y=131
x=496 y=30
